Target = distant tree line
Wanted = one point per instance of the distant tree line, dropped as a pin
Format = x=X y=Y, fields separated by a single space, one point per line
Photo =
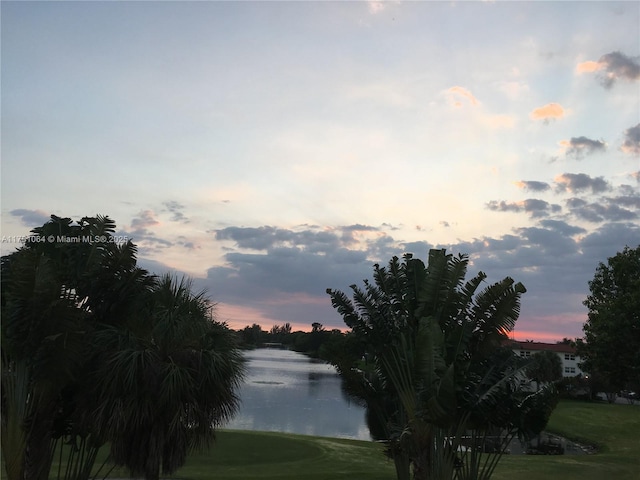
x=319 y=342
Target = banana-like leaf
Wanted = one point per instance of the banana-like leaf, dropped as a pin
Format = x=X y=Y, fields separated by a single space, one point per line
x=436 y=342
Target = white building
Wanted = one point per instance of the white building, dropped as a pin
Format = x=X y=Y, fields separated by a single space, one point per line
x=567 y=355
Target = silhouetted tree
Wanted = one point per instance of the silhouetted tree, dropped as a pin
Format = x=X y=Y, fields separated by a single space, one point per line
x=545 y=367
x=252 y=336
x=433 y=365
x=167 y=385
x=60 y=288
x=612 y=332
x=95 y=350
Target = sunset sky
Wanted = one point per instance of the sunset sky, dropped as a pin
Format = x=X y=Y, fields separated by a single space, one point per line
x=273 y=149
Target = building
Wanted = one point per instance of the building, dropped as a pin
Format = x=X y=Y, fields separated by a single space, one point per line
x=567 y=355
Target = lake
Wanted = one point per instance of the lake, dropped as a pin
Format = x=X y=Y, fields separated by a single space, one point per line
x=286 y=391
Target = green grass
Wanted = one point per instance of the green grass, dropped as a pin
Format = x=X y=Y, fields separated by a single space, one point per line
x=259 y=455
x=615 y=429
x=269 y=455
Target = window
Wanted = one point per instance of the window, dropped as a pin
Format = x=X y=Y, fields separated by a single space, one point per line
x=524 y=354
x=569 y=356
x=569 y=369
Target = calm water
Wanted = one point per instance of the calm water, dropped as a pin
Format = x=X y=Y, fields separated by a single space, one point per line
x=286 y=391
x=289 y=392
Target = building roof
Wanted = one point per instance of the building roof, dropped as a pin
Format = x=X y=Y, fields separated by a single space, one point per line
x=539 y=346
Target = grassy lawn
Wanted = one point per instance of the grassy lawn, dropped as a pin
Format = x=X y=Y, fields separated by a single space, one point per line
x=256 y=455
x=268 y=455
x=615 y=429
x=249 y=455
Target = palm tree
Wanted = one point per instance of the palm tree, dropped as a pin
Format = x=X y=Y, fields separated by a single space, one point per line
x=434 y=342
x=55 y=292
x=73 y=313
x=167 y=385
x=43 y=346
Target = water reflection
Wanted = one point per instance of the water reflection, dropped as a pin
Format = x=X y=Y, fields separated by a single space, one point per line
x=286 y=391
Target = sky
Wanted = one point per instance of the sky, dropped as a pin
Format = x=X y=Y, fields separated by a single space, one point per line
x=272 y=150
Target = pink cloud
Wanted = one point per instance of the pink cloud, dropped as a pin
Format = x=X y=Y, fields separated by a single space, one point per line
x=457 y=93
x=376 y=7
x=537 y=336
x=548 y=112
x=589 y=67
x=238 y=317
x=495 y=122
x=549 y=328
x=146 y=218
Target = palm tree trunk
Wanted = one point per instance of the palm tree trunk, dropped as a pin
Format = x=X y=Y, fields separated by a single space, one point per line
x=15 y=408
x=403 y=466
x=38 y=454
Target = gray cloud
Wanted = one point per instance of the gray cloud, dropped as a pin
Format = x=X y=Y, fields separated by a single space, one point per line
x=139 y=231
x=417 y=248
x=550 y=242
x=267 y=237
x=628 y=190
x=312 y=238
x=533 y=186
x=506 y=243
x=599 y=212
x=186 y=243
x=632 y=200
x=286 y=282
x=157 y=267
x=350 y=232
x=388 y=226
x=631 y=142
x=535 y=207
x=576 y=202
x=139 y=224
x=618 y=66
x=580 y=146
x=31 y=218
x=176 y=209
x=576 y=182
x=609 y=239
x=562 y=227
x=260 y=238
x=554 y=268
